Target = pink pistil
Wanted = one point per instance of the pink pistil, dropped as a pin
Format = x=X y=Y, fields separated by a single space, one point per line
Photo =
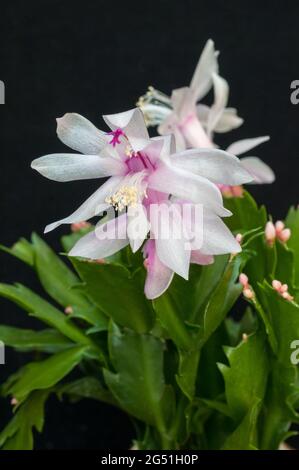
x=115 y=136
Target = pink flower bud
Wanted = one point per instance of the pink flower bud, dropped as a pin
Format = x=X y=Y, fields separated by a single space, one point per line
x=279 y=226
x=239 y=238
x=270 y=233
x=276 y=284
x=79 y=226
x=243 y=279
x=284 y=235
x=68 y=310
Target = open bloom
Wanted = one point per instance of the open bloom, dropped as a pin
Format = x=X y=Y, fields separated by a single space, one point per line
x=142 y=172
x=193 y=124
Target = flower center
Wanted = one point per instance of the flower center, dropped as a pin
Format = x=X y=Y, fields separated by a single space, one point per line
x=126 y=196
x=130 y=193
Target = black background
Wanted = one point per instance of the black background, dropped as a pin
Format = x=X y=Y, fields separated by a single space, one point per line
x=96 y=57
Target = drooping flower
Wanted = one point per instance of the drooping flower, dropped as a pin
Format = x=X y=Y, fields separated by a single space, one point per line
x=143 y=172
x=194 y=125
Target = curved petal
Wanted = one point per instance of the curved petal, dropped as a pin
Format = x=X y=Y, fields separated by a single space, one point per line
x=94 y=205
x=104 y=241
x=138 y=226
x=228 y=121
x=207 y=65
x=217 y=238
x=158 y=276
x=216 y=165
x=242 y=146
x=170 y=242
x=188 y=187
x=80 y=134
x=70 y=167
x=202 y=111
x=261 y=172
x=221 y=91
x=182 y=100
x=133 y=125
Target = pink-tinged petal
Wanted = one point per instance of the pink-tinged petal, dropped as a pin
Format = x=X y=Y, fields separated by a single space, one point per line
x=182 y=101
x=228 y=121
x=261 y=173
x=216 y=165
x=155 y=149
x=199 y=258
x=158 y=276
x=93 y=206
x=221 y=92
x=64 y=167
x=242 y=146
x=138 y=226
x=104 y=241
x=217 y=238
x=133 y=125
x=80 y=134
x=188 y=187
x=171 y=243
x=194 y=133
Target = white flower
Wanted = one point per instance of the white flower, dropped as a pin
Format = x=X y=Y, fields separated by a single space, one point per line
x=193 y=124
x=143 y=172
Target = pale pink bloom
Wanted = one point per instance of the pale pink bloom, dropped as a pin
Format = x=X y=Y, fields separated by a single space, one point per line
x=193 y=124
x=143 y=171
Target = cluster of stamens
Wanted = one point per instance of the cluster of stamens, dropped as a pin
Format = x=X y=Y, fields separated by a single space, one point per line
x=154 y=104
x=247 y=289
x=126 y=196
x=282 y=290
x=277 y=231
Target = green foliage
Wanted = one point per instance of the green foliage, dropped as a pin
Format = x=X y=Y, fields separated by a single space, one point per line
x=188 y=370
x=18 y=434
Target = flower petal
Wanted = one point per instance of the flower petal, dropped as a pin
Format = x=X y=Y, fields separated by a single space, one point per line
x=217 y=238
x=184 y=185
x=261 y=172
x=94 y=205
x=104 y=241
x=221 y=91
x=80 y=134
x=216 y=165
x=228 y=121
x=158 y=276
x=207 y=65
x=138 y=226
x=133 y=125
x=242 y=146
x=70 y=167
x=170 y=242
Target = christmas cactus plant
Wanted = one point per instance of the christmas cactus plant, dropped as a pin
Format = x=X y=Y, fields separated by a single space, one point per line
x=180 y=304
